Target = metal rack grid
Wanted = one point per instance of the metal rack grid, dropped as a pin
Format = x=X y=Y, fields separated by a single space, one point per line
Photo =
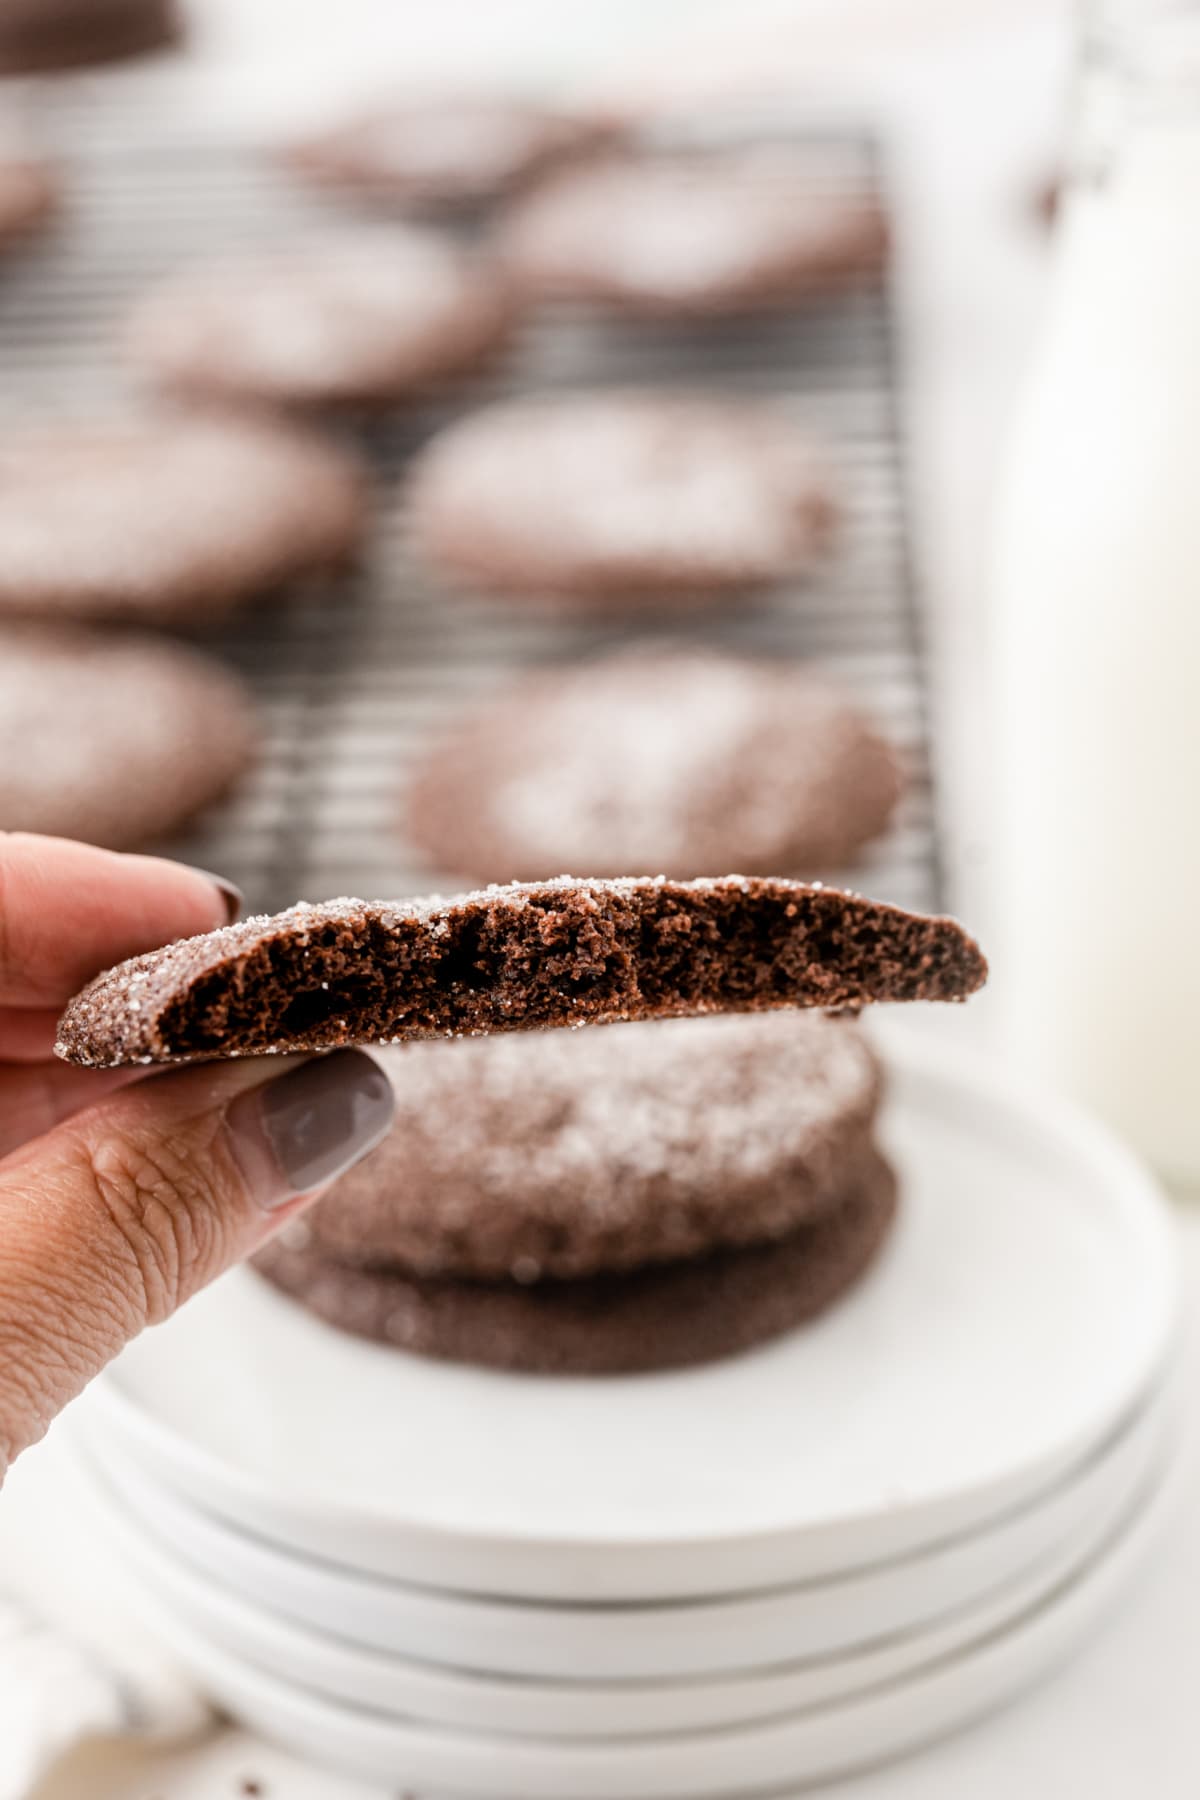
x=353 y=675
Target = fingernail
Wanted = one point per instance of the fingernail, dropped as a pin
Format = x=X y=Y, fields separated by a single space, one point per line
x=294 y=1134
x=232 y=896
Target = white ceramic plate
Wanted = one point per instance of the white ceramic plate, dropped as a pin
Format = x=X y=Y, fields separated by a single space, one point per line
x=467 y=1700
x=1021 y=1308
x=668 y=1641
x=771 y=1755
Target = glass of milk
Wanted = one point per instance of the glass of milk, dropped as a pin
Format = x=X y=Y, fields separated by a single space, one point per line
x=1096 y=613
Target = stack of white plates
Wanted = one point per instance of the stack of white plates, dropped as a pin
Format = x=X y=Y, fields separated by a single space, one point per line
x=771 y=1570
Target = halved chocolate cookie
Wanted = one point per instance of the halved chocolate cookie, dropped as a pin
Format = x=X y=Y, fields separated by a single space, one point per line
x=563 y=952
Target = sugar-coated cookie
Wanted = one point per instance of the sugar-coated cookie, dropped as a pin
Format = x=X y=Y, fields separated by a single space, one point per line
x=357 y=318
x=701 y=235
x=523 y=957
x=679 y=761
x=564 y=1153
x=114 y=738
x=621 y=497
x=172 y=520
x=443 y=152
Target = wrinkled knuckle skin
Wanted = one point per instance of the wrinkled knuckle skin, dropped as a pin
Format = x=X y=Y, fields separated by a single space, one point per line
x=164 y=1213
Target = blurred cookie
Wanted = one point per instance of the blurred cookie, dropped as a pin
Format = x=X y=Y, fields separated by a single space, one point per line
x=668 y=1316
x=679 y=235
x=174 y=520
x=29 y=195
x=114 y=738
x=62 y=34
x=621 y=497
x=444 y=152
x=519 y=958
x=668 y=761
x=354 y=319
x=568 y=1152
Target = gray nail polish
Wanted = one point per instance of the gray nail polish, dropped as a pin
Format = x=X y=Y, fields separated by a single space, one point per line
x=231 y=895
x=294 y=1134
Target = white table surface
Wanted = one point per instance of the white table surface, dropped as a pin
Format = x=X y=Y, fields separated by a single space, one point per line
x=968 y=93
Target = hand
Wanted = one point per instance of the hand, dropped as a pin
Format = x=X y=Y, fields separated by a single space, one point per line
x=120 y=1196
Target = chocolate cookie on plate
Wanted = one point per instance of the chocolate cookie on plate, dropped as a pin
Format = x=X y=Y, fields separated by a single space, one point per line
x=172 y=520
x=114 y=738
x=443 y=152
x=564 y=1153
x=691 y=235
x=621 y=498
x=667 y=759
x=663 y=1316
x=524 y=957
x=357 y=318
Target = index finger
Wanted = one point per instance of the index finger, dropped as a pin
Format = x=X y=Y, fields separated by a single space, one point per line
x=68 y=910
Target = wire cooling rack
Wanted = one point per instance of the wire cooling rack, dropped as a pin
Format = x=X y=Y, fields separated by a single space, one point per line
x=353 y=675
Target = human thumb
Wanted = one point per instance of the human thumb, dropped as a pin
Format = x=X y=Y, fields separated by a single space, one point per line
x=112 y=1220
